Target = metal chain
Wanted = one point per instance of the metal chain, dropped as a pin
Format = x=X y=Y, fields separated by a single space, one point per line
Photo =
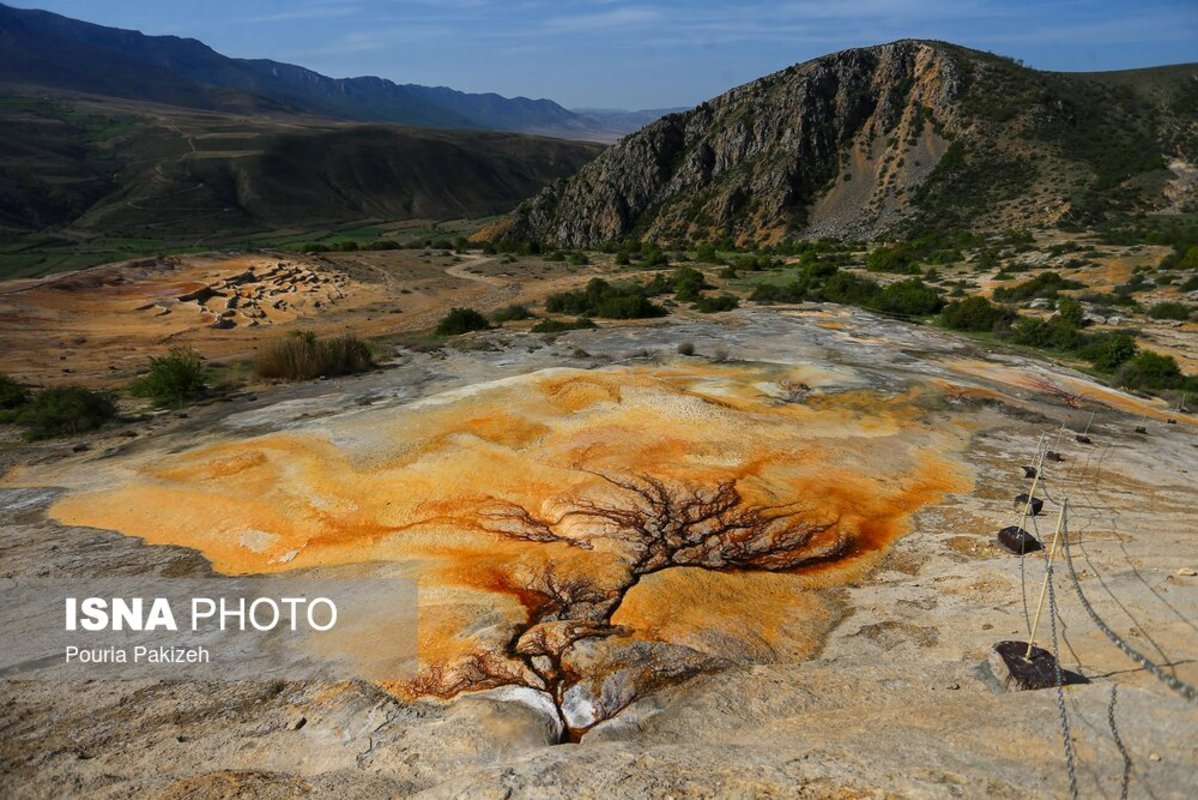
x=1110 y=718
x=1186 y=690
x=1066 y=734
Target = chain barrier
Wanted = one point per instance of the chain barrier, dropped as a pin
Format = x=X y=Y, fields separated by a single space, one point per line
x=1186 y=690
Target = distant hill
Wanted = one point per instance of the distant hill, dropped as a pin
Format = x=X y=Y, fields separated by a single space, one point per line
x=86 y=167
x=38 y=48
x=907 y=137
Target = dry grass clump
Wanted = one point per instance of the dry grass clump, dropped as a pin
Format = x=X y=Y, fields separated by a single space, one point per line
x=301 y=356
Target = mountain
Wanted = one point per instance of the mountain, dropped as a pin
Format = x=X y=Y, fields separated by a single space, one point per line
x=38 y=48
x=913 y=136
x=85 y=167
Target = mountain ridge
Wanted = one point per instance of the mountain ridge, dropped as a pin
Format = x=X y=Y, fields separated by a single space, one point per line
x=912 y=134
x=41 y=48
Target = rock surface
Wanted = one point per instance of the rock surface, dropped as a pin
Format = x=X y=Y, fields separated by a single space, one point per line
x=893 y=698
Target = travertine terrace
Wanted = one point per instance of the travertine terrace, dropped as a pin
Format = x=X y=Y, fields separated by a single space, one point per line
x=650 y=558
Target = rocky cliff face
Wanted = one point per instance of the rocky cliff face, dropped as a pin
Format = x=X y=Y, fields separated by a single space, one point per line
x=847 y=144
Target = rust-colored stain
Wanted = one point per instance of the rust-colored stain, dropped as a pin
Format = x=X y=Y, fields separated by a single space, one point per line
x=514 y=499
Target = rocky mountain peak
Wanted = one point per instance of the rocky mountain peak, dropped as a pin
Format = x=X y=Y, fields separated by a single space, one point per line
x=850 y=144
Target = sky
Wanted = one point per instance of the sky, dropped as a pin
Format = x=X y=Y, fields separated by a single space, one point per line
x=634 y=55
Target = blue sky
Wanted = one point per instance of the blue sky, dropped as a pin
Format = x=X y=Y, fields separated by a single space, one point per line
x=611 y=53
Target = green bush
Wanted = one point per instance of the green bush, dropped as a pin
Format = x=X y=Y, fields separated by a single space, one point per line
x=1109 y=351
x=560 y=326
x=689 y=284
x=707 y=253
x=713 y=305
x=1170 y=310
x=974 y=314
x=1051 y=334
x=301 y=356
x=1182 y=257
x=794 y=292
x=893 y=259
x=1071 y=312
x=65 y=410
x=1046 y=285
x=628 y=306
x=910 y=297
x=1150 y=371
x=511 y=313
x=174 y=378
x=13 y=395
x=461 y=320
x=602 y=299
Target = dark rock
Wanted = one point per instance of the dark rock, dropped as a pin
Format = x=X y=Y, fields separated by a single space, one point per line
x=1016 y=673
x=1141 y=429
x=82 y=447
x=1018 y=541
x=1029 y=472
x=1053 y=455
x=1084 y=439
x=1021 y=502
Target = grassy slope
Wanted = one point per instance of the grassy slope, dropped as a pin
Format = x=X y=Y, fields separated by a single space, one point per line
x=85 y=178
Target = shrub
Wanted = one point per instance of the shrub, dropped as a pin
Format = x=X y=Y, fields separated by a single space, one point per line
x=793 y=292
x=602 y=299
x=1170 y=310
x=301 y=356
x=892 y=259
x=1182 y=257
x=656 y=258
x=560 y=326
x=511 y=313
x=628 y=306
x=1150 y=371
x=910 y=297
x=713 y=305
x=1070 y=311
x=1190 y=284
x=13 y=395
x=461 y=320
x=1045 y=285
x=65 y=410
x=686 y=349
x=174 y=378
x=974 y=314
x=1054 y=334
x=1109 y=351
x=688 y=284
